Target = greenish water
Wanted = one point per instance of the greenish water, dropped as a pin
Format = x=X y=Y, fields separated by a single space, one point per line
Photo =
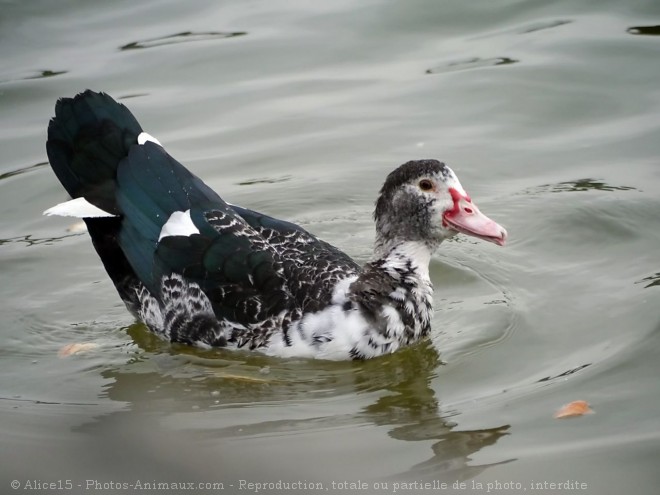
x=549 y=112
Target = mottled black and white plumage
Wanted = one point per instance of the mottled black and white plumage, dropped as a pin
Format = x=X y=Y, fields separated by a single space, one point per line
x=200 y=271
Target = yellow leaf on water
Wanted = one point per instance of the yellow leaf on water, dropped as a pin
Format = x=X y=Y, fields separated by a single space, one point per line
x=572 y=409
x=76 y=348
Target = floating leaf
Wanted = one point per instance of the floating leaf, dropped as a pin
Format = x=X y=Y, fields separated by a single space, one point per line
x=572 y=409
x=76 y=348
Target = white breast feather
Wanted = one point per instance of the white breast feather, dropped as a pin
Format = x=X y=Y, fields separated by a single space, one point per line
x=395 y=325
x=345 y=328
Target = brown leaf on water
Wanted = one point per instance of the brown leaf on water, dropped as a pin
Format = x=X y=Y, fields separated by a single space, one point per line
x=76 y=348
x=572 y=409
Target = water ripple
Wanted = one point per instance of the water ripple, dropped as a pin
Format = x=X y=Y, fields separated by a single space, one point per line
x=264 y=180
x=644 y=30
x=41 y=74
x=543 y=25
x=529 y=28
x=579 y=185
x=653 y=279
x=183 y=37
x=565 y=373
x=47 y=73
x=471 y=63
x=22 y=170
x=29 y=240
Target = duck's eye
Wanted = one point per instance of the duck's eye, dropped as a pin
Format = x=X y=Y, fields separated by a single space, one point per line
x=425 y=185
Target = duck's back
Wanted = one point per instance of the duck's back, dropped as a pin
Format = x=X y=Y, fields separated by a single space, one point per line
x=193 y=267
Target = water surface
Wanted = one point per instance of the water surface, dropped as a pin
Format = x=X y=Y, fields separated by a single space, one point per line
x=547 y=111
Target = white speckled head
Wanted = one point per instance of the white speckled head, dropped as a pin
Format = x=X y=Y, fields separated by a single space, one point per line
x=423 y=201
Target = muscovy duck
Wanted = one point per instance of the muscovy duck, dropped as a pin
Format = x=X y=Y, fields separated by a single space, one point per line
x=198 y=270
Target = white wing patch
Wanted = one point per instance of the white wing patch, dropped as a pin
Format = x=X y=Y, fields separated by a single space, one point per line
x=179 y=223
x=79 y=208
x=144 y=137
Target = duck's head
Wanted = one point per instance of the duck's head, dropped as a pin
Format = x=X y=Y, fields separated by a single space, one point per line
x=423 y=201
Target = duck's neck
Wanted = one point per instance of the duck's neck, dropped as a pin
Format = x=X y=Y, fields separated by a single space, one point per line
x=410 y=257
x=395 y=294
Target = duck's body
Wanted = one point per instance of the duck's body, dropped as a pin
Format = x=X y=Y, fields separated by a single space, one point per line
x=198 y=270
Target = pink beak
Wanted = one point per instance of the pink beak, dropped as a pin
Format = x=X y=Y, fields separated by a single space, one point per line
x=465 y=217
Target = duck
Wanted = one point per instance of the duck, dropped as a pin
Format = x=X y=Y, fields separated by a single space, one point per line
x=200 y=271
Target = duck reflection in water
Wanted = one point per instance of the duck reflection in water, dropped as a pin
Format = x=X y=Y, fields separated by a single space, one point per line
x=203 y=389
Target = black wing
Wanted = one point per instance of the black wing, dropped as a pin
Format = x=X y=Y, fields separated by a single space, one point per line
x=250 y=266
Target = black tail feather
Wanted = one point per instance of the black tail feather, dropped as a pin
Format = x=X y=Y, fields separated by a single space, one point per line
x=87 y=139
